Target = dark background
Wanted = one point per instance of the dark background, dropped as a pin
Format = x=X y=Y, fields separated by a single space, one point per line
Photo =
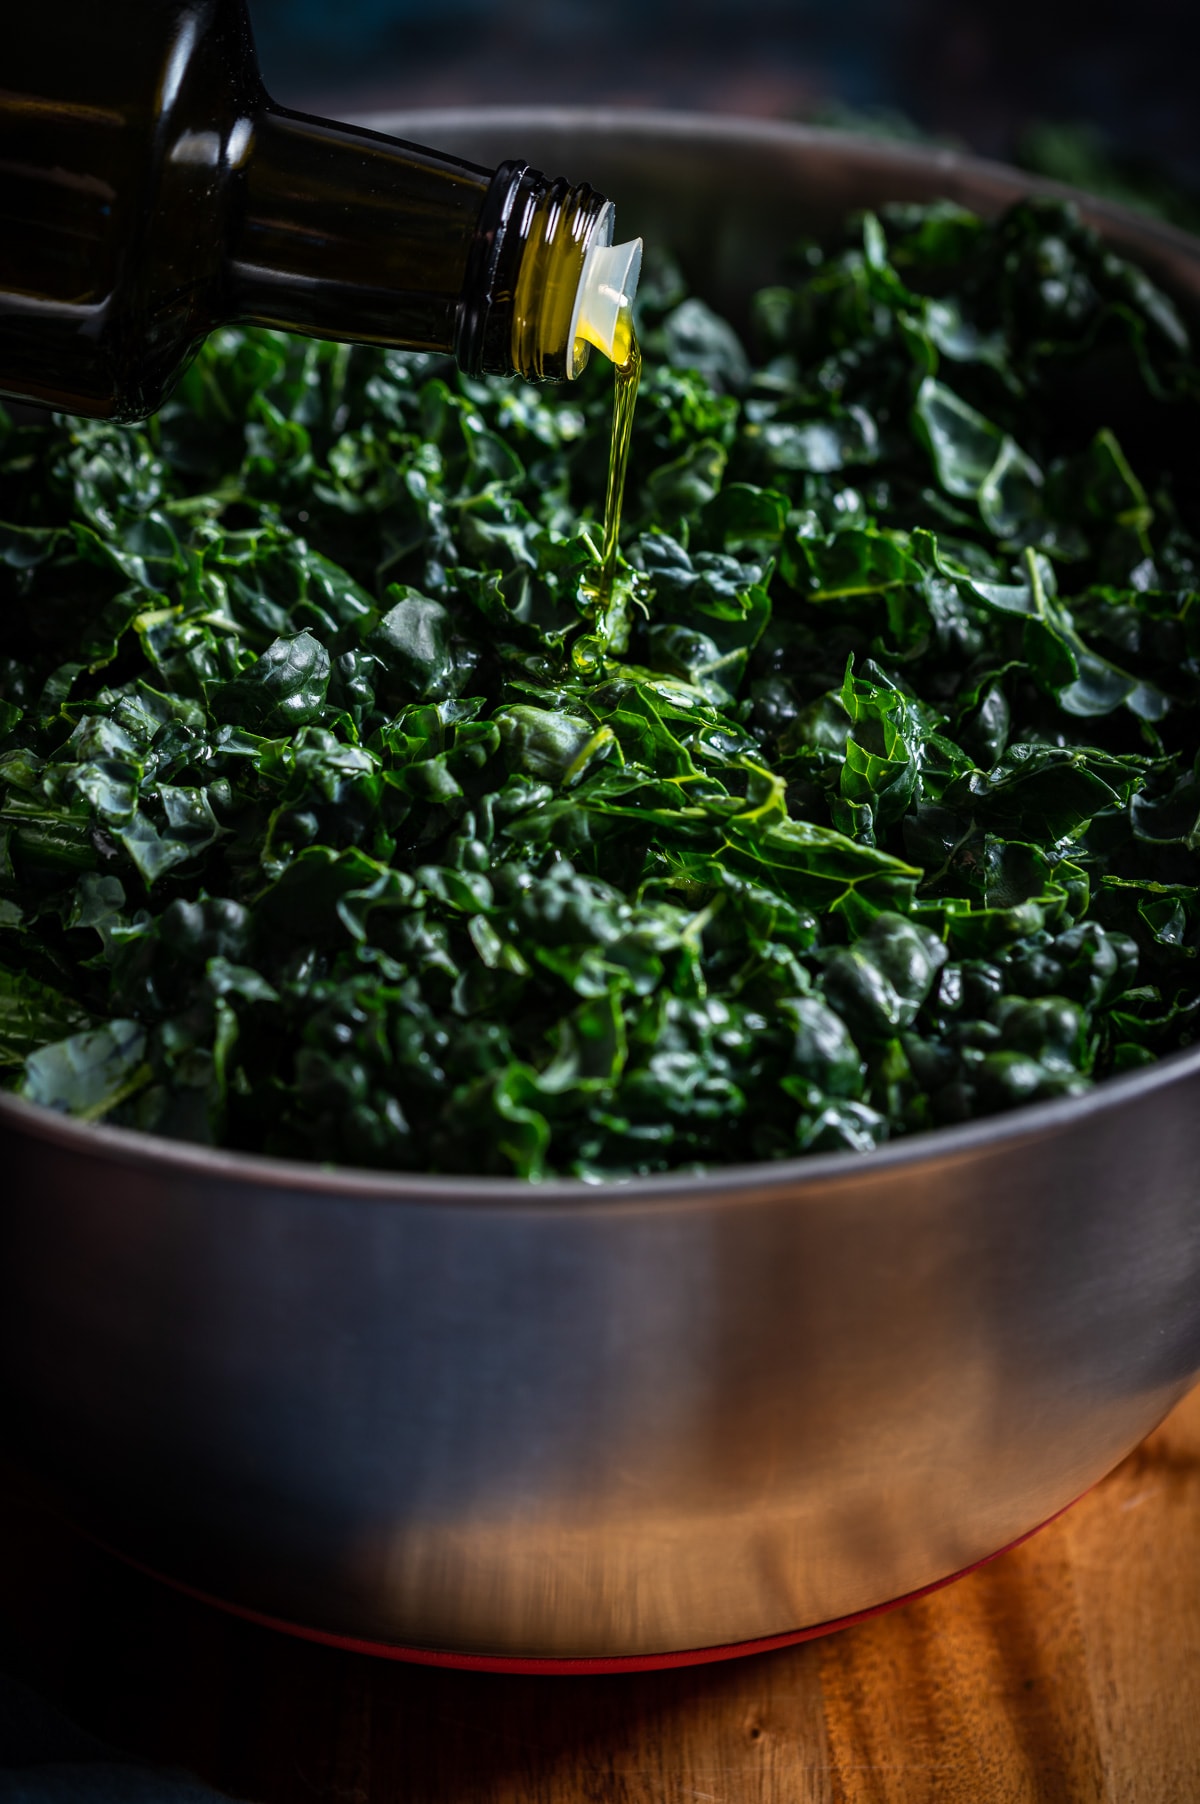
x=1115 y=82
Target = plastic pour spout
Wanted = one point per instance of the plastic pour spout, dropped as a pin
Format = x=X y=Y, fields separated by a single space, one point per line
x=604 y=302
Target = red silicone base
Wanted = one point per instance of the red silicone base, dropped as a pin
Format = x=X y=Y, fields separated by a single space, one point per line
x=570 y=1665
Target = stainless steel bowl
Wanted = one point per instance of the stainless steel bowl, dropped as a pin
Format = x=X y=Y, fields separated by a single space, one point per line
x=478 y=1416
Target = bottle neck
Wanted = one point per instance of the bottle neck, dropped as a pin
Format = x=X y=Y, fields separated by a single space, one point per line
x=340 y=232
x=519 y=305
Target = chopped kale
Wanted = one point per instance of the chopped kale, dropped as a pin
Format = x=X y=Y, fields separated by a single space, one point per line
x=343 y=820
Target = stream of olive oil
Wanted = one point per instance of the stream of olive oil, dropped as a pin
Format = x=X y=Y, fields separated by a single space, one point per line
x=626 y=376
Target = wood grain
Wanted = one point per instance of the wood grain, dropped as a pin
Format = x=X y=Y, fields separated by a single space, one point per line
x=1067 y=1670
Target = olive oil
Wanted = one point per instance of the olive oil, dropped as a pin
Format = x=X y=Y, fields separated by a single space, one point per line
x=626 y=376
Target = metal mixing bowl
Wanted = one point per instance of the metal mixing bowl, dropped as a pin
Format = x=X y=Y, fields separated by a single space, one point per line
x=475 y=1415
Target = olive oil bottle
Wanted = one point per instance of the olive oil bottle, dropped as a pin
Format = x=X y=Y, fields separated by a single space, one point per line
x=152 y=190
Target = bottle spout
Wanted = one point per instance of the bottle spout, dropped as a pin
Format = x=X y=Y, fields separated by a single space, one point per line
x=604 y=302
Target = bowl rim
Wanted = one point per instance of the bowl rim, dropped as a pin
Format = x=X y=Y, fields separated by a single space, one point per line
x=693 y=126
x=748 y=1182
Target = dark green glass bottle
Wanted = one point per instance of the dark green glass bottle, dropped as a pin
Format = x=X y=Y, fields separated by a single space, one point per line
x=151 y=190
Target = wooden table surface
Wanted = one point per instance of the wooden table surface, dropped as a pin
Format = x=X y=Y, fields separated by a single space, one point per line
x=1068 y=1669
